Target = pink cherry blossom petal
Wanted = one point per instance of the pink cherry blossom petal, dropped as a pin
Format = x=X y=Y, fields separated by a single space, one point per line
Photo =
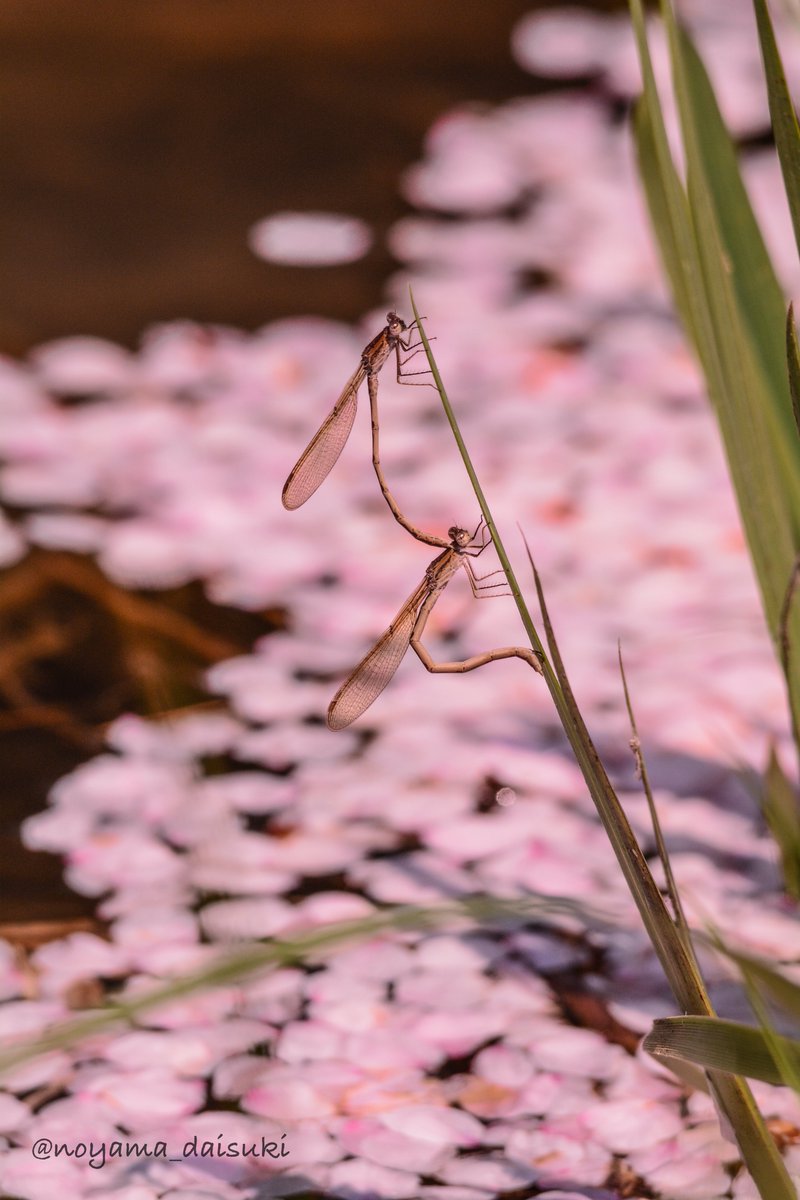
x=463 y=989
x=246 y=791
x=66 y=531
x=142 y=1098
x=155 y=926
x=79 y=956
x=469 y=170
x=22 y=1176
x=310 y=239
x=186 y=1052
x=356 y=1178
x=430 y=1123
x=291 y=1099
x=84 y=365
x=386 y=1051
x=380 y=959
x=39 y=1072
x=13 y=545
x=14 y=1115
x=632 y=1124
x=578 y=1051
x=75 y=1118
x=246 y=918
x=565 y=42
x=490 y=1171
x=122 y=858
x=368 y=1140
x=142 y=554
x=441 y=1192
x=276 y=996
x=557 y=1156
x=504 y=1065
x=326 y=907
x=302 y=1041
x=135 y=1191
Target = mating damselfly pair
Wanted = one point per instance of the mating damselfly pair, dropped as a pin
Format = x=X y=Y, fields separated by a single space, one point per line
x=376 y=669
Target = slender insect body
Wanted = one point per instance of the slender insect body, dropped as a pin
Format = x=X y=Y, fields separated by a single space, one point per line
x=440 y=572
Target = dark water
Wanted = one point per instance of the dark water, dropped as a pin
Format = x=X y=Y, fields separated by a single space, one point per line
x=141 y=139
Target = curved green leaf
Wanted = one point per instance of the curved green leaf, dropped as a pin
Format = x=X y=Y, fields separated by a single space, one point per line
x=720 y=1046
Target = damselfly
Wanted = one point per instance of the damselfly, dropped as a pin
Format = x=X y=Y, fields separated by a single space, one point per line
x=321 y=453
x=376 y=669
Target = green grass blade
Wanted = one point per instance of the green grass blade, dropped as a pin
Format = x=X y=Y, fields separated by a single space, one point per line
x=660 y=180
x=781 y=1052
x=677 y=962
x=661 y=846
x=744 y=362
x=709 y=304
x=756 y=1144
x=742 y=289
x=720 y=1046
x=793 y=364
x=728 y=298
x=779 y=804
x=669 y=210
x=767 y=486
x=709 y=148
x=784 y=120
x=505 y=562
x=772 y=983
x=241 y=964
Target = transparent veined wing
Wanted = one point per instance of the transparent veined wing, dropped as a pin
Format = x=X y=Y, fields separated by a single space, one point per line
x=375 y=670
x=321 y=453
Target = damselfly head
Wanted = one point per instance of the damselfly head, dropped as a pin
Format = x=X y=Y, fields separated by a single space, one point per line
x=396 y=324
x=459 y=537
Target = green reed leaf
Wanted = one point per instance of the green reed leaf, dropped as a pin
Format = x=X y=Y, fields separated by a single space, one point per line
x=779 y=804
x=720 y=1046
x=781 y=108
x=793 y=364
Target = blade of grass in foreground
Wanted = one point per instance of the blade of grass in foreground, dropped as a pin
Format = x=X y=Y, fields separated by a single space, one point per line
x=737 y=1107
x=240 y=965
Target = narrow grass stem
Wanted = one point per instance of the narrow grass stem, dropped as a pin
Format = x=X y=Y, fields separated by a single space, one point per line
x=505 y=563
